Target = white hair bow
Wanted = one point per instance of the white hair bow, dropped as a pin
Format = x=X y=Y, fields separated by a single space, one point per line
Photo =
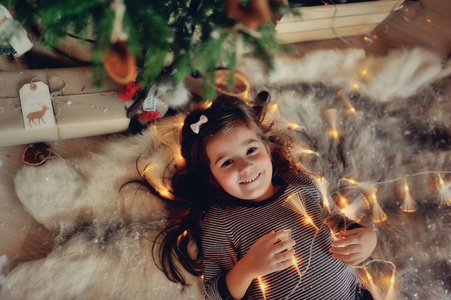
x=196 y=126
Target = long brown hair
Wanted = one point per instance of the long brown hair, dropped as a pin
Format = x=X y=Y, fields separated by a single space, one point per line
x=192 y=188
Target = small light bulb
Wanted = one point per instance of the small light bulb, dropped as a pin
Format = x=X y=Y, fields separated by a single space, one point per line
x=293 y=126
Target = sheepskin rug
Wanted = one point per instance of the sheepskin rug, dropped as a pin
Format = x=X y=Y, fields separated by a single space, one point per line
x=371 y=126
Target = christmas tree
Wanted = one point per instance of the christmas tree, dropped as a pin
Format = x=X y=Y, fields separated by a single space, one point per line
x=189 y=36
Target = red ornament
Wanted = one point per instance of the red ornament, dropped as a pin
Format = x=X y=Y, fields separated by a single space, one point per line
x=147 y=116
x=120 y=63
x=129 y=91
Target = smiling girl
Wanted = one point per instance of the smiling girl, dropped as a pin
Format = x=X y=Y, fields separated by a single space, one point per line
x=229 y=201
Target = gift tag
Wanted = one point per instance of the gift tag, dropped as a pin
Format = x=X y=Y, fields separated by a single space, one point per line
x=37 y=110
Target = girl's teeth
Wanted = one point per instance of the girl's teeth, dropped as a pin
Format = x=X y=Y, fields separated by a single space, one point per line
x=250 y=180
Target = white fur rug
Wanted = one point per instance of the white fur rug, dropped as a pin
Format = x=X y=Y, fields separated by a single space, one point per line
x=399 y=133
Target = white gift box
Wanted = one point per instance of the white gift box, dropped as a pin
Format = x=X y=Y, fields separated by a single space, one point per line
x=334 y=21
x=79 y=108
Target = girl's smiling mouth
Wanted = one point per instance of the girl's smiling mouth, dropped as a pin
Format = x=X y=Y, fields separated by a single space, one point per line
x=251 y=180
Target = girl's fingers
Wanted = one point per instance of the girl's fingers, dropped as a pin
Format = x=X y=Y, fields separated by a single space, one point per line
x=350 y=240
x=283 y=265
x=282 y=256
x=346 y=249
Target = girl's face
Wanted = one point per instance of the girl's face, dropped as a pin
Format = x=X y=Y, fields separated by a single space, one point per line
x=241 y=164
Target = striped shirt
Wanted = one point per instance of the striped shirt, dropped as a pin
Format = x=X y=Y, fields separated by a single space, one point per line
x=230 y=230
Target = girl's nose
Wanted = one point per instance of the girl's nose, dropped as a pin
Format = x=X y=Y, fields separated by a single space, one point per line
x=245 y=166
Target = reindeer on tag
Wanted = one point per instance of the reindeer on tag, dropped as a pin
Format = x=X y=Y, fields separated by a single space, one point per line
x=37 y=115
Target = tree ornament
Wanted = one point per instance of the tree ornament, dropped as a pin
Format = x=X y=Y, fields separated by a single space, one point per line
x=12 y=34
x=254 y=14
x=119 y=63
x=240 y=87
x=149 y=104
x=129 y=91
x=153 y=107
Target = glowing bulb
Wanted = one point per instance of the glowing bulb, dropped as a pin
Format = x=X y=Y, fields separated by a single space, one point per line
x=409 y=204
x=185 y=233
x=164 y=192
x=335 y=134
x=293 y=126
x=343 y=200
x=351 y=181
x=262 y=286
x=378 y=214
x=442 y=183
x=445 y=192
x=355 y=86
x=295 y=264
x=273 y=106
x=364 y=72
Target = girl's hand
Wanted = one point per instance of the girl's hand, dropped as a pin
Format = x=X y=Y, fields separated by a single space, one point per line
x=270 y=253
x=355 y=246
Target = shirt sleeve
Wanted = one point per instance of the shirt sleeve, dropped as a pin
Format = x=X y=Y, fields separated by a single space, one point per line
x=219 y=256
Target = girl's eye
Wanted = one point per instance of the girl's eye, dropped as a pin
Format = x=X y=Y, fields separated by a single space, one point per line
x=251 y=150
x=226 y=163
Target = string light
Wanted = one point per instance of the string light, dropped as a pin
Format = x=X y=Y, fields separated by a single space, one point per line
x=293 y=126
x=295 y=264
x=409 y=204
x=180 y=237
x=373 y=288
x=322 y=185
x=331 y=114
x=262 y=286
x=273 y=106
x=301 y=150
x=343 y=202
x=355 y=210
x=375 y=291
x=294 y=202
x=378 y=214
x=445 y=192
x=351 y=181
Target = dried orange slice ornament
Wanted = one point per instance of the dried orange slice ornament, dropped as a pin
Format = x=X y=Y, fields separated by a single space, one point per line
x=36 y=154
x=241 y=86
x=119 y=63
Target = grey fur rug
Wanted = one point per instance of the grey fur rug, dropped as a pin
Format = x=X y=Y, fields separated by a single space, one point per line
x=399 y=133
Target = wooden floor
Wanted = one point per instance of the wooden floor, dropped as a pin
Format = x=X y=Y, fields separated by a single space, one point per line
x=424 y=23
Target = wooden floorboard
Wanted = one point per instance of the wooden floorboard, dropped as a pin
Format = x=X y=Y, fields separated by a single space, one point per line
x=430 y=28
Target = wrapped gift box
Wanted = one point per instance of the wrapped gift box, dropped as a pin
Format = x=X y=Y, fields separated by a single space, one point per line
x=332 y=21
x=79 y=108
